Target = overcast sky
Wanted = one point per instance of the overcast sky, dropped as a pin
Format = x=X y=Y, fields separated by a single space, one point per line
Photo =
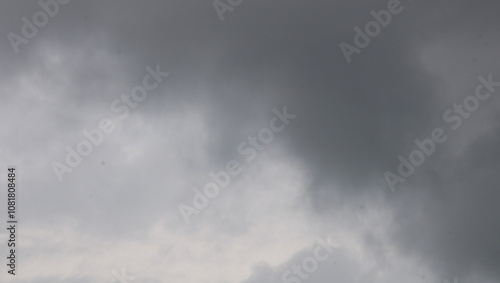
x=332 y=125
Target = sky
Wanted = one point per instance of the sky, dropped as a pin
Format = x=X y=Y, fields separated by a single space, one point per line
x=236 y=141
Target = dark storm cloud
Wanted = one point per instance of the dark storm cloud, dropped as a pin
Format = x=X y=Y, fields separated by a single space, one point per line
x=356 y=119
x=353 y=119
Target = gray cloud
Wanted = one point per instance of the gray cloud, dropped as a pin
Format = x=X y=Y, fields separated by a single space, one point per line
x=353 y=120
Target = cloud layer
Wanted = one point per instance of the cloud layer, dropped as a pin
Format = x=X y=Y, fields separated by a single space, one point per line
x=323 y=175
